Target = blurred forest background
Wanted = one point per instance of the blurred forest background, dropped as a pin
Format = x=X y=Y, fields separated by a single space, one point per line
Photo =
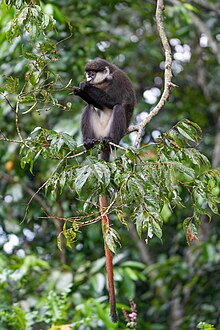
x=174 y=285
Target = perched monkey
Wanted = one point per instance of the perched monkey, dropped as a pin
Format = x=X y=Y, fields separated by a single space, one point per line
x=111 y=99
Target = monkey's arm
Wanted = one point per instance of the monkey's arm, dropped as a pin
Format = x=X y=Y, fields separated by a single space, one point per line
x=95 y=96
x=81 y=93
x=99 y=96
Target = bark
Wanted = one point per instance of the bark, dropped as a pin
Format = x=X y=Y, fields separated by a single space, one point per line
x=216 y=151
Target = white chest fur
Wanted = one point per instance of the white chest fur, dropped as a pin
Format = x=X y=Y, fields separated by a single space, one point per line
x=101 y=122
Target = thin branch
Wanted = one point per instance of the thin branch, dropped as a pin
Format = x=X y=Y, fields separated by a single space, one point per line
x=77 y=155
x=42 y=186
x=141 y=246
x=203 y=28
x=17 y=123
x=7 y=100
x=208 y=5
x=167 y=74
x=216 y=151
x=32 y=193
x=8 y=140
x=77 y=220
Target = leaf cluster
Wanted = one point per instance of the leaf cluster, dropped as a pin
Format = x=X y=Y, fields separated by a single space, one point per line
x=29 y=19
x=139 y=183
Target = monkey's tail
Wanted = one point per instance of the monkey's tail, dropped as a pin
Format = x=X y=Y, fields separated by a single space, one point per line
x=105 y=154
x=103 y=202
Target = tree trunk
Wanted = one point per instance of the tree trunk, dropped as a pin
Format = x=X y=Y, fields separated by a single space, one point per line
x=216 y=152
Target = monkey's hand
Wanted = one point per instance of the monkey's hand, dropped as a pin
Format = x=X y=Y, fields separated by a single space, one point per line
x=79 y=90
x=83 y=85
x=76 y=90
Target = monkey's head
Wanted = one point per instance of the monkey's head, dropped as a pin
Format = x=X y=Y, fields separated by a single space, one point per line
x=98 y=71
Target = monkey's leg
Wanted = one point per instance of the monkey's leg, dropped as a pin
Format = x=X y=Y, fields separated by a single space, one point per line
x=118 y=125
x=89 y=139
x=105 y=154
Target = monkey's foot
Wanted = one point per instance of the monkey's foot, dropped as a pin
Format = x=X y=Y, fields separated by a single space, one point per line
x=106 y=141
x=89 y=143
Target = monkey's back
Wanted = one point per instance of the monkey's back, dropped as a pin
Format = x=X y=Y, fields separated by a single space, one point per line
x=123 y=91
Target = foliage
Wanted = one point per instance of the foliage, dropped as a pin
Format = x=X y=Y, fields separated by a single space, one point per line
x=138 y=187
x=205 y=326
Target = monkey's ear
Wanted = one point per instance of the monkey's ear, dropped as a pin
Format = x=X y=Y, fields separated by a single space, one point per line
x=107 y=70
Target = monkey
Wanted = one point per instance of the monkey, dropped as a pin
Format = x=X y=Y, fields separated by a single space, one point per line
x=110 y=101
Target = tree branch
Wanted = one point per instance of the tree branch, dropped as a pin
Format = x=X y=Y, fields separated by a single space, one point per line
x=202 y=28
x=167 y=74
x=208 y=6
x=32 y=193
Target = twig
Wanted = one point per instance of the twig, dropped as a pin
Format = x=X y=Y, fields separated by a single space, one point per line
x=17 y=123
x=8 y=140
x=77 y=155
x=86 y=222
x=203 y=28
x=167 y=74
x=208 y=6
x=42 y=186
x=32 y=193
x=7 y=100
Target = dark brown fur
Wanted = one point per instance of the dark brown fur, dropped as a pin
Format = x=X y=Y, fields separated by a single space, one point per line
x=116 y=93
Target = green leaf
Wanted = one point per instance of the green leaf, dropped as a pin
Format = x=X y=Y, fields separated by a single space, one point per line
x=205 y=326
x=190 y=7
x=27 y=99
x=30 y=56
x=70 y=236
x=12 y=84
x=213 y=206
x=134 y=264
x=184 y=169
x=69 y=141
x=45 y=21
x=82 y=175
x=136 y=186
x=197 y=158
x=59 y=245
x=63 y=178
x=139 y=219
x=186 y=135
x=156 y=227
x=111 y=239
x=101 y=171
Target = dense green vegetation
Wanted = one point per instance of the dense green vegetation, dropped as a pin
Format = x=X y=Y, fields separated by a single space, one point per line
x=163 y=194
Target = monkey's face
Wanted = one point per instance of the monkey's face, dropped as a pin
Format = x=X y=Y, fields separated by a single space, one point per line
x=96 y=77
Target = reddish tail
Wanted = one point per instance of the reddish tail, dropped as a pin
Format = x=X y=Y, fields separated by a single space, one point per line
x=103 y=202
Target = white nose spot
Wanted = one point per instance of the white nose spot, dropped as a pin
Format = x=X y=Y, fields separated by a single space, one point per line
x=88 y=78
